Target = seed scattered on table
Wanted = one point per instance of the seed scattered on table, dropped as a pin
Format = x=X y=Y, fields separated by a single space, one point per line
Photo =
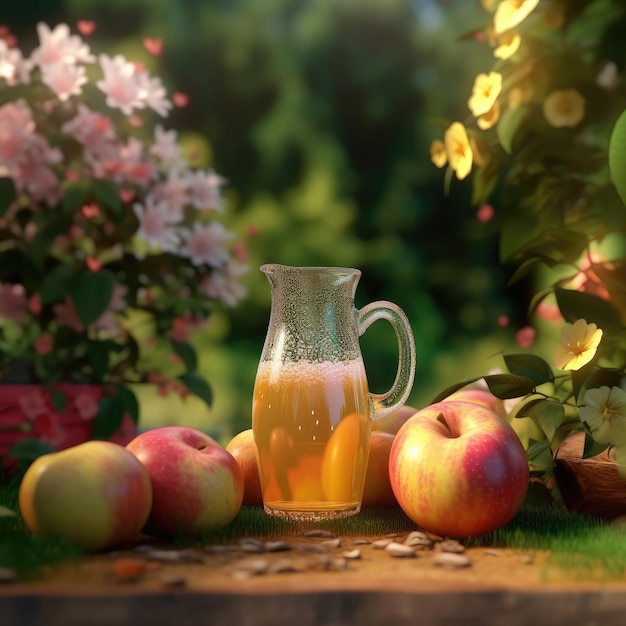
x=310 y=547
x=352 y=554
x=361 y=542
x=331 y=543
x=173 y=582
x=492 y=552
x=317 y=532
x=451 y=560
x=277 y=546
x=452 y=545
x=381 y=544
x=249 y=544
x=400 y=550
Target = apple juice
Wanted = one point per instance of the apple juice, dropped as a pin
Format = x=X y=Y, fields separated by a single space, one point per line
x=311 y=424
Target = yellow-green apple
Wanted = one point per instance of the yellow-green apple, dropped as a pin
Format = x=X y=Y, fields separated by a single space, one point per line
x=458 y=469
x=96 y=494
x=197 y=485
x=393 y=421
x=243 y=448
x=377 y=491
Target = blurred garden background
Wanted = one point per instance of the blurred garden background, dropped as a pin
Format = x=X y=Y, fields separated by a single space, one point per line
x=319 y=113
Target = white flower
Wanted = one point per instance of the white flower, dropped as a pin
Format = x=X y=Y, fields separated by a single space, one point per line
x=120 y=84
x=13 y=67
x=604 y=411
x=173 y=193
x=155 y=225
x=579 y=343
x=206 y=244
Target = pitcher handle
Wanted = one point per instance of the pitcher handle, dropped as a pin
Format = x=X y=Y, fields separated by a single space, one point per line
x=396 y=396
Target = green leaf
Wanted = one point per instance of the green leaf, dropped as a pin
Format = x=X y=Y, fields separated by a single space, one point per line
x=523 y=269
x=187 y=354
x=56 y=283
x=108 y=194
x=59 y=401
x=7 y=194
x=5 y=511
x=448 y=391
x=98 y=352
x=539 y=455
x=505 y=386
x=129 y=402
x=516 y=233
x=508 y=126
x=575 y=305
x=75 y=195
x=549 y=414
x=617 y=156
x=40 y=244
x=529 y=365
x=109 y=418
x=198 y=386
x=592 y=447
x=29 y=449
x=91 y=293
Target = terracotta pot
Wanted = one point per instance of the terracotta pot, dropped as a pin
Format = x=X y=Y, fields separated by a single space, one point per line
x=593 y=485
x=28 y=411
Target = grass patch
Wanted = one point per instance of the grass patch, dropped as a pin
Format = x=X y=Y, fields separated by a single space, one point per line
x=585 y=547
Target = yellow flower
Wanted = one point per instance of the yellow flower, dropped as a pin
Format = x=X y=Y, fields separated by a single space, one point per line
x=564 y=107
x=510 y=13
x=459 y=150
x=520 y=94
x=579 y=343
x=486 y=90
x=508 y=45
x=489 y=119
x=604 y=412
x=438 y=153
x=488 y=5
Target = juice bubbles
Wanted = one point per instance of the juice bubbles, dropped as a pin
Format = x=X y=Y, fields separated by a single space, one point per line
x=312 y=429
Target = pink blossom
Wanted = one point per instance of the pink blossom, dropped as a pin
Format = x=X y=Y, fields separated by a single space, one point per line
x=180 y=99
x=65 y=79
x=16 y=128
x=525 y=337
x=550 y=312
x=58 y=46
x=503 y=321
x=180 y=329
x=154 y=45
x=13 y=302
x=120 y=84
x=154 y=94
x=44 y=344
x=206 y=244
x=32 y=404
x=86 y=27
x=48 y=429
x=66 y=315
x=166 y=147
x=224 y=284
x=485 y=213
x=94 y=130
x=86 y=405
x=34 y=304
x=13 y=68
x=156 y=224
x=205 y=190
x=172 y=192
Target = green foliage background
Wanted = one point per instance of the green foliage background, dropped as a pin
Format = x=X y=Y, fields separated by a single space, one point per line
x=318 y=113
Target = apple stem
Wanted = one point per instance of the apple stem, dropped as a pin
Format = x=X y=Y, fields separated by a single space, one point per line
x=441 y=419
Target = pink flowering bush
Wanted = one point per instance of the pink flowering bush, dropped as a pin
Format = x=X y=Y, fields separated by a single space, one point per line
x=111 y=245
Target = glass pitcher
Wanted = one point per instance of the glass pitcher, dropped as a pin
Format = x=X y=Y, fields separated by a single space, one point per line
x=312 y=409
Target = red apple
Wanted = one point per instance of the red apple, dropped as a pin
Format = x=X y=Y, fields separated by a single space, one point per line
x=393 y=421
x=96 y=494
x=243 y=448
x=197 y=485
x=377 y=491
x=458 y=469
x=479 y=396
